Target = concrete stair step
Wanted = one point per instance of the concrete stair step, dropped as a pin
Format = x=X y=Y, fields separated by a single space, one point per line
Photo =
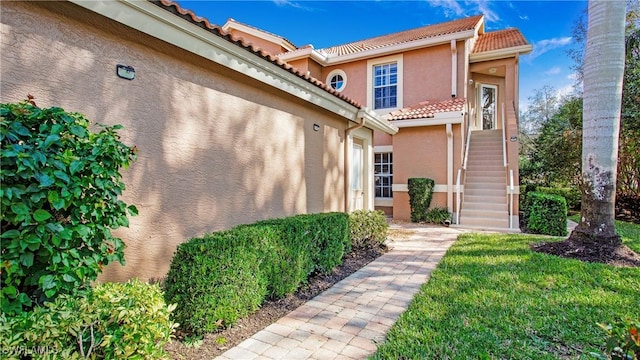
x=486 y=144
x=480 y=195
x=484 y=185
x=482 y=172
x=480 y=198
x=485 y=222
x=480 y=156
x=475 y=166
x=480 y=176
x=484 y=213
x=485 y=206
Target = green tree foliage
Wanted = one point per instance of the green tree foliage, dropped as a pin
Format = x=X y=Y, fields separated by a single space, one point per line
x=558 y=148
x=551 y=139
x=629 y=147
x=60 y=188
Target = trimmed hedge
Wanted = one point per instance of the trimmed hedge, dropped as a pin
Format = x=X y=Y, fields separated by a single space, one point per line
x=113 y=321
x=571 y=195
x=368 y=228
x=420 y=194
x=223 y=276
x=546 y=214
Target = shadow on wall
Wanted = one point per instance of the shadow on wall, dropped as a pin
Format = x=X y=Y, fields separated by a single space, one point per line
x=214 y=152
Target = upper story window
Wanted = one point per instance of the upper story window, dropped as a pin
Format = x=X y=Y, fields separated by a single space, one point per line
x=384 y=83
x=385 y=86
x=337 y=79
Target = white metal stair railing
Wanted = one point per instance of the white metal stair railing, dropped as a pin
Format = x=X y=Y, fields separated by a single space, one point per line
x=510 y=186
x=464 y=166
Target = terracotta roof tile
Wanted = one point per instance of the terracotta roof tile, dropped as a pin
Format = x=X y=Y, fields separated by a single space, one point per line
x=264 y=31
x=501 y=39
x=428 y=109
x=190 y=16
x=424 y=32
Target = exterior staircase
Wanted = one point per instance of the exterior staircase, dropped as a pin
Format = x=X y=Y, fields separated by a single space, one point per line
x=484 y=203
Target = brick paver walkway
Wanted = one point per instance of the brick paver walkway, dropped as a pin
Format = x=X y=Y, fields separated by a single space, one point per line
x=349 y=319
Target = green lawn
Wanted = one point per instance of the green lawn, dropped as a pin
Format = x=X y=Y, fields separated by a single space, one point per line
x=491 y=297
x=629 y=232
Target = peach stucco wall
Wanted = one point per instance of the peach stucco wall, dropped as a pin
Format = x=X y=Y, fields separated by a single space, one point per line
x=422 y=152
x=426 y=76
x=216 y=148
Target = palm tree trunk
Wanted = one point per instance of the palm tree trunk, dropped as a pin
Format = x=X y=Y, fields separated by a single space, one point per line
x=603 y=74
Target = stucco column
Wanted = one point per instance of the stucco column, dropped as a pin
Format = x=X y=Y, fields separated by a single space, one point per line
x=449 y=131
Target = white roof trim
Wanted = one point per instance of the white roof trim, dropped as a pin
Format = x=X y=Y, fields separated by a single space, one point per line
x=441 y=118
x=329 y=59
x=159 y=23
x=500 y=53
x=376 y=122
x=411 y=45
x=232 y=24
x=302 y=53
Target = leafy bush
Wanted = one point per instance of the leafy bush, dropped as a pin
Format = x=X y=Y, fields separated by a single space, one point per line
x=217 y=279
x=623 y=340
x=546 y=214
x=571 y=195
x=368 y=228
x=60 y=188
x=115 y=321
x=326 y=233
x=420 y=194
x=524 y=190
x=438 y=215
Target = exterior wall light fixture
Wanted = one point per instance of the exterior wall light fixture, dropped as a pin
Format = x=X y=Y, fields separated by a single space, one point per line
x=316 y=127
x=125 y=72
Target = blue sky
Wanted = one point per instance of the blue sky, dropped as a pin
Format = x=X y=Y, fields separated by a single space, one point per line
x=547 y=25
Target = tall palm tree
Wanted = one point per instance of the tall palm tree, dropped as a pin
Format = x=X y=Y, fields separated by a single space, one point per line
x=603 y=75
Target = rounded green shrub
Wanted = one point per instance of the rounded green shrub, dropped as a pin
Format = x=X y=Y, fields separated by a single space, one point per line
x=114 y=321
x=216 y=279
x=571 y=195
x=60 y=188
x=368 y=228
x=546 y=214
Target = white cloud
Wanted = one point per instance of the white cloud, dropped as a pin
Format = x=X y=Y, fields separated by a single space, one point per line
x=293 y=4
x=454 y=8
x=483 y=7
x=523 y=17
x=543 y=46
x=564 y=91
x=553 y=71
x=573 y=76
x=451 y=8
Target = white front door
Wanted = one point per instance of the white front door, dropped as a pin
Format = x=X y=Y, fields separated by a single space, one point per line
x=487 y=99
x=357 y=190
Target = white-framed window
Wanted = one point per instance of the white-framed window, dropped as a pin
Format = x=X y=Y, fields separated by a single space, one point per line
x=384 y=83
x=337 y=79
x=383 y=172
x=385 y=86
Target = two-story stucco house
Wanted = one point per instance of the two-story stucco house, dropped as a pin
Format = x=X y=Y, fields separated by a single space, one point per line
x=235 y=124
x=452 y=90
